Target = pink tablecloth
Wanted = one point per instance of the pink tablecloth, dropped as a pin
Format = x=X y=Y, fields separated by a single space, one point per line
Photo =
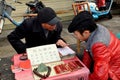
x=26 y=74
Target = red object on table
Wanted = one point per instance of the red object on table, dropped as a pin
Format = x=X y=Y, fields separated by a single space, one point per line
x=25 y=64
x=27 y=74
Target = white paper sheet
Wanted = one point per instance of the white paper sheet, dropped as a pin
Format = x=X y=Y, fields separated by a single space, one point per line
x=43 y=54
x=65 y=51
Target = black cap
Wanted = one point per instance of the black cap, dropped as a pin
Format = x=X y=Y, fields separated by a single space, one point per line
x=47 y=15
x=80 y=20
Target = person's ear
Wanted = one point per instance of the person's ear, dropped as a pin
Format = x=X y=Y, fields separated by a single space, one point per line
x=86 y=33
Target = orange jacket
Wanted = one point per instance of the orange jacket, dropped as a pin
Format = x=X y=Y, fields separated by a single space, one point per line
x=106 y=60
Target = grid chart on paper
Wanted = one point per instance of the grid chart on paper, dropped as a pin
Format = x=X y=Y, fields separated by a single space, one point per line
x=43 y=54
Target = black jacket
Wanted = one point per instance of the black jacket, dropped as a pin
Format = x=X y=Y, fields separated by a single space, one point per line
x=33 y=33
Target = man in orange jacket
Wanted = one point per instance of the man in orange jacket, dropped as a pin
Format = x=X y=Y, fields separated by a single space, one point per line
x=101 y=4
x=102 y=53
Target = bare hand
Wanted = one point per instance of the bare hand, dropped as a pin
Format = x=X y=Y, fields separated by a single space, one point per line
x=61 y=43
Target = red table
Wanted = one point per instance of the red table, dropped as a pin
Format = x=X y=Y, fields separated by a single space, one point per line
x=27 y=74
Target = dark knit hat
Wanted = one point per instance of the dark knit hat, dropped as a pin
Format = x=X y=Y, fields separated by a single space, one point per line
x=80 y=21
x=47 y=15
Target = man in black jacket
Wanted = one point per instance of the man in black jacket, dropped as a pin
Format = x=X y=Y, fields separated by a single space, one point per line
x=43 y=29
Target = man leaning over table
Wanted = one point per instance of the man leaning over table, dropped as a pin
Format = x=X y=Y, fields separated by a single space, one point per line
x=43 y=29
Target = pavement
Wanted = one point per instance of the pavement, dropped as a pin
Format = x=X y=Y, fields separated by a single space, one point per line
x=5 y=70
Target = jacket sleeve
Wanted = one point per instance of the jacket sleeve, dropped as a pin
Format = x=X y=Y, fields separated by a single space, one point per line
x=15 y=39
x=101 y=58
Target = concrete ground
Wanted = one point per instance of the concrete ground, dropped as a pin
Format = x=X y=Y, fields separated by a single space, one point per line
x=6 y=49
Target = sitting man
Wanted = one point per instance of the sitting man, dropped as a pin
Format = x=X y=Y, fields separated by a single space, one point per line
x=43 y=29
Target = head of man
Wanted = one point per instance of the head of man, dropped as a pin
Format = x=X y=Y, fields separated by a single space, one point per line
x=47 y=18
x=82 y=25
